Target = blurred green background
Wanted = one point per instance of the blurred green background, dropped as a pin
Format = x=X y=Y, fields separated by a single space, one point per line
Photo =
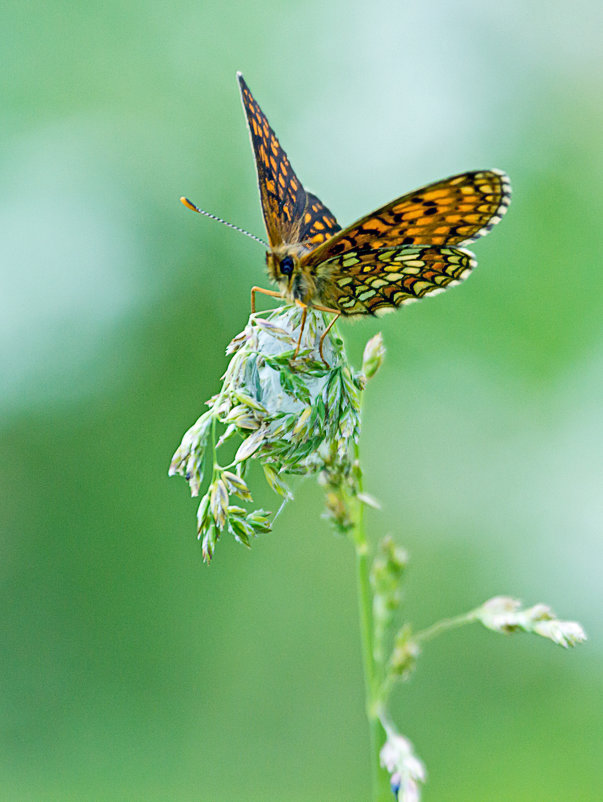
x=130 y=671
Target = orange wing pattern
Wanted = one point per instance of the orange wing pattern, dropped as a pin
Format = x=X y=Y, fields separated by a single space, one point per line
x=317 y=224
x=291 y=214
x=456 y=210
x=372 y=281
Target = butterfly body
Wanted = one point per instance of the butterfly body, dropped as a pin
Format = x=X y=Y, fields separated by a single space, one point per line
x=407 y=249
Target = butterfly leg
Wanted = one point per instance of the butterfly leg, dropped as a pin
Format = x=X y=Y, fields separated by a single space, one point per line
x=337 y=314
x=272 y=293
x=326 y=331
x=302 y=326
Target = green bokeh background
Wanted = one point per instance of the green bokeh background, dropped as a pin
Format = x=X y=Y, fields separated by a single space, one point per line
x=130 y=671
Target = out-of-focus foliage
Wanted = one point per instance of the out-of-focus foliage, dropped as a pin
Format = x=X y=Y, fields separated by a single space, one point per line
x=129 y=669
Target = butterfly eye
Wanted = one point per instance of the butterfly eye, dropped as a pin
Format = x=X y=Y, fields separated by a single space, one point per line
x=286 y=266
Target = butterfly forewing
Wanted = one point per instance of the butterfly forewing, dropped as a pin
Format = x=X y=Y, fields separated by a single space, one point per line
x=453 y=211
x=317 y=224
x=371 y=281
x=291 y=214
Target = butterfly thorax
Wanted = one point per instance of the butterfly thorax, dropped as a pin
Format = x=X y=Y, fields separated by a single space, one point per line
x=285 y=268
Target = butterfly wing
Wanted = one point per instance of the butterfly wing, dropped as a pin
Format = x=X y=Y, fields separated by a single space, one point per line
x=372 y=281
x=405 y=250
x=317 y=224
x=456 y=210
x=291 y=214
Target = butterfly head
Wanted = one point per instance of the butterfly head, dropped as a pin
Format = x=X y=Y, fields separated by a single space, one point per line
x=285 y=269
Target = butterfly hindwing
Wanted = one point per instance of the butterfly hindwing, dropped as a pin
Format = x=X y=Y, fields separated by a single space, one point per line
x=291 y=214
x=456 y=210
x=372 y=281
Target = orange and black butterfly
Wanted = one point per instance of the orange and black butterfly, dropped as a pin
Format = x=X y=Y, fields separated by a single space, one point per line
x=403 y=251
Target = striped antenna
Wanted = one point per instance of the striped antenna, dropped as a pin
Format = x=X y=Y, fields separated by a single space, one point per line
x=193 y=208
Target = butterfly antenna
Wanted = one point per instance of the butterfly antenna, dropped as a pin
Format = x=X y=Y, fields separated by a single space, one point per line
x=193 y=208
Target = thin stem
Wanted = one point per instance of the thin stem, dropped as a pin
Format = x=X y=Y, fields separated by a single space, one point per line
x=364 y=613
x=380 y=782
x=444 y=625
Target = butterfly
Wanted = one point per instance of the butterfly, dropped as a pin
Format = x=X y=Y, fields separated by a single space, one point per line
x=393 y=256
